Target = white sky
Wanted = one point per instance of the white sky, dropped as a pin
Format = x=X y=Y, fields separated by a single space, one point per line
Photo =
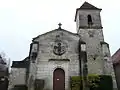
x=22 y=20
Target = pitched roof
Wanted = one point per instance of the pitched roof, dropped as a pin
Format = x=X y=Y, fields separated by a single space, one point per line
x=21 y=64
x=116 y=57
x=87 y=5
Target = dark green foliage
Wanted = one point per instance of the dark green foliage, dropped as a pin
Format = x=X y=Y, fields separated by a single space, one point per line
x=105 y=82
x=75 y=83
x=95 y=82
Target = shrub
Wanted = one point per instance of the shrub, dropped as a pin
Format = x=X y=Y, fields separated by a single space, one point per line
x=94 y=82
x=105 y=82
x=75 y=83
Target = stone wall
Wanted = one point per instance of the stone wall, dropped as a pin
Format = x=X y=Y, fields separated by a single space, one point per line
x=98 y=53
x=108 y=63
x=17 y=77
x=47 y=61
x=82 y=18
x=94 y=50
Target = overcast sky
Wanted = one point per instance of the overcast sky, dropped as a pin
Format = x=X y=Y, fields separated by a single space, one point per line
x=22 y=20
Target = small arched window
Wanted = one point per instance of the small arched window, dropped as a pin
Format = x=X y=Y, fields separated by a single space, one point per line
x=89 y=20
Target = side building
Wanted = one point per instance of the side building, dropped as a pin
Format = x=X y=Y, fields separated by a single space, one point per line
x=116 y=64
x=19 y=74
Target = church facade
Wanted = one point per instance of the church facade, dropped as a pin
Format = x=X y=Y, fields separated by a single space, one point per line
x=59 y=54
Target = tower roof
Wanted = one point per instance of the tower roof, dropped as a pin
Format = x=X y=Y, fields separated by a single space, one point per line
x=86 y=6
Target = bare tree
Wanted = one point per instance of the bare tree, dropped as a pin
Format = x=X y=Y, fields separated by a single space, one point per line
x=4 y=60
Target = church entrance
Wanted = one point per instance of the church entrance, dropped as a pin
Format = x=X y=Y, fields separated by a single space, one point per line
x=59 y=79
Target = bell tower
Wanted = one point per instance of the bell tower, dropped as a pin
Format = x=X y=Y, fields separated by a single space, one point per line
x=89 y=28
x=88 y=16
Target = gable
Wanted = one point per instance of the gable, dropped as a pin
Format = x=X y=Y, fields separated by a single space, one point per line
x=56 y=43
x=54 y=33
x=87 y=5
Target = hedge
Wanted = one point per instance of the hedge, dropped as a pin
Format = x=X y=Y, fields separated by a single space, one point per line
x=94 y=82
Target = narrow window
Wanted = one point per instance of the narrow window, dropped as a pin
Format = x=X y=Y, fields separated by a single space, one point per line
x=89 y=20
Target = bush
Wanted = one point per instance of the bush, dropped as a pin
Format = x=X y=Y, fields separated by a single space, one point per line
x=75 y=83
x=105 y=82
x=94 y=82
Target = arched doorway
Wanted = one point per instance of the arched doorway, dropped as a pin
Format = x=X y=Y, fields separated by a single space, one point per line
x=58 y=79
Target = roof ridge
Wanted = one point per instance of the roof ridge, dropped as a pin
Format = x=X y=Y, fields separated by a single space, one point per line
x=87 y=5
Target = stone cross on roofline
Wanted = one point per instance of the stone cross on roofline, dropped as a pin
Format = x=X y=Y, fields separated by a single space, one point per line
x=60 y=25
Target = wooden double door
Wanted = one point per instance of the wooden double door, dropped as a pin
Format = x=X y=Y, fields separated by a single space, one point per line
x=58 y=79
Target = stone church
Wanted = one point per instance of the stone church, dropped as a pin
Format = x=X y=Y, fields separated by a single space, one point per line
x=59 y=54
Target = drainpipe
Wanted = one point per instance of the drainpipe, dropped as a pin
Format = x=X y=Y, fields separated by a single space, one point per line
x=80 y=67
